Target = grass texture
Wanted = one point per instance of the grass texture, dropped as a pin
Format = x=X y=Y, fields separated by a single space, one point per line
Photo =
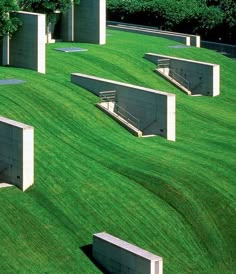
x=175 y=199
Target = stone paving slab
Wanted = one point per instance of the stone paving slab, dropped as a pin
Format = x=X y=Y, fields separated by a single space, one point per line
x=71 y=49
x=178 y=46
x=11 y=81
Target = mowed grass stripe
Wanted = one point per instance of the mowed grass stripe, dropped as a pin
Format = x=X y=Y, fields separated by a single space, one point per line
x=175 y=199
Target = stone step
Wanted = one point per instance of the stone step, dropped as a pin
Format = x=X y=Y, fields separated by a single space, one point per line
x=173 y=81
x=109 y=109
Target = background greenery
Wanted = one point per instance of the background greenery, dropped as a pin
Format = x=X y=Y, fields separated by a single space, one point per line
x=176 y=199
x=214 y=20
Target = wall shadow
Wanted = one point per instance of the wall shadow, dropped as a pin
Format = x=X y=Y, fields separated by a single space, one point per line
x=88 y=251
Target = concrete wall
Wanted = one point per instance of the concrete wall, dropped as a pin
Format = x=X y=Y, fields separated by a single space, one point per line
x=1 y=50
x=204 y=78
x=194 y=40
x=176 y=37
x=118 y=256
x=27 y=46
x=4 y=50
x=67 y=25
x=154 y=109
x=16 y=153
x=90 y=21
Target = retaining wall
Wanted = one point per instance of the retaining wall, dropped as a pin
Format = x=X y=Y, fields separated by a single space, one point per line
x=27 y=46
x=178 y=38
x=190 y=40
x=203 y=78
x=16 y=153
x=154 y=109
x=118 y=256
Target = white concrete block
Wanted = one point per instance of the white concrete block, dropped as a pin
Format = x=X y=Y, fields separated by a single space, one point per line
x=118 y=256
x=16 y=153
x=27 y=46
x=6 y=50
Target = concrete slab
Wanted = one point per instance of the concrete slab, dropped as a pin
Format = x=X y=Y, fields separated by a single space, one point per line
x=4 y=185
x=70 y=49
x=178 y=47
x=11 y=82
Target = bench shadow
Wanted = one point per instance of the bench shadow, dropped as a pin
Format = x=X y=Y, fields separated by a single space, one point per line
x=88 y=251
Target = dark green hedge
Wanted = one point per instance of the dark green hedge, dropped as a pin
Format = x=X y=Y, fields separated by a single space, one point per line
x=212 y=19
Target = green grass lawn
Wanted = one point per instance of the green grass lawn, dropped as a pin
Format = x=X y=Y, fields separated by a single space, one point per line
x=175 y=199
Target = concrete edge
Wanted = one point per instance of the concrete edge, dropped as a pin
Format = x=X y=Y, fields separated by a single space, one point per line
x=180 y=59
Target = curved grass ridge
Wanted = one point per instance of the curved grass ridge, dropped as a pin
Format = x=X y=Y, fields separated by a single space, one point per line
x=174 y=199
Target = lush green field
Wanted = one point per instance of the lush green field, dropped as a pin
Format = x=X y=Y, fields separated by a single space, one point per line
x=176 y=199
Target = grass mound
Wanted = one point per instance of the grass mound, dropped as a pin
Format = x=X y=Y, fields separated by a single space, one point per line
x=175 y=199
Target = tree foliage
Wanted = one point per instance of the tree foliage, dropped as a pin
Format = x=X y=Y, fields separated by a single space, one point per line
x=206 y=17
x=8 y=24
x=46 y=7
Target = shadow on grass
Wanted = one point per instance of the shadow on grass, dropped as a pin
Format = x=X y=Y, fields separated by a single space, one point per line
x=88 y=251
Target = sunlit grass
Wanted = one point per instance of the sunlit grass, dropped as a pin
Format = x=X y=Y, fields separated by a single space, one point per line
x=176 y=199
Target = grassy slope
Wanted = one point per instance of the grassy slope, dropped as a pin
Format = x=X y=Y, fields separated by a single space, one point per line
x=176 y=199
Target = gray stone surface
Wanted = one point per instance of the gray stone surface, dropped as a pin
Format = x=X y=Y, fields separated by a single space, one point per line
x=27 y=46
x=203 y=78
x=70 y=49
x=90 y=21
x=16 y=153
x=118 y=256
x=154 y=109
x=178 y=47
x=11 y=82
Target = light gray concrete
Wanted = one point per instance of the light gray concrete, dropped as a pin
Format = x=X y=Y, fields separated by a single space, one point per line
x=16 y=153
x=5 y=185
x=71 y=49
x=27 y=46
x=154 y=109
x=11 y=82
x=203 y=78
x=118 y=256
x=90 y=21
x=189 y=40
